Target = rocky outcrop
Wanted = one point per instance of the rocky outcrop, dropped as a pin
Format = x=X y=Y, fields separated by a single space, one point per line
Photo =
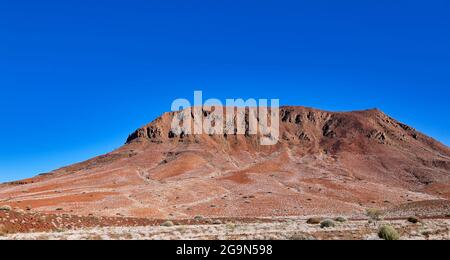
x=298 y=125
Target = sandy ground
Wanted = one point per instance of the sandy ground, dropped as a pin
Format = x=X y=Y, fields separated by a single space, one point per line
x=291 y=229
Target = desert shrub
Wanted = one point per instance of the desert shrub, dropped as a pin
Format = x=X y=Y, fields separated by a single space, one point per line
x=387 y=232
x=340 y=219
x=327 y=223
x=230 y=226
x=60 y=230
x=181 y=229
x=413 y=220
x=217 y=222
x=198 y=218
x=314 y=221
x=5 y=208
x=167 y=224
x=374 y=214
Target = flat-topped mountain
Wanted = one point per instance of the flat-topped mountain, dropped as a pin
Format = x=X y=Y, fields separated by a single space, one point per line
x=324 y=163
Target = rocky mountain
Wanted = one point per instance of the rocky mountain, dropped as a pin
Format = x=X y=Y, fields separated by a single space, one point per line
x=325 y=163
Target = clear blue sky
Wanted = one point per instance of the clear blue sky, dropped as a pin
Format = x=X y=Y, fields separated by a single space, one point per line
x=76 y=77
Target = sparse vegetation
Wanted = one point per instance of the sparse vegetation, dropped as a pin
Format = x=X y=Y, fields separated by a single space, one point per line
x=340 y=219
x=314 y=221
x=290 y=229
x=413 y=220
x=301 y=237
x=181 y=229
x=387 y=232
x=60 y=230
x=168 y=224
x=5 y=208
x=198 y=218
x=327 y=223
x=374 y=214
x=217 y=222
x=230 y=226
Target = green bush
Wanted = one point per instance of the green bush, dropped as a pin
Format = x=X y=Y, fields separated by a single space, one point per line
x=413 y=220
x=60 y=230
x=387 y=232
x=5 y=208
x=340 y=219
x=327 y=223
x=198 y=218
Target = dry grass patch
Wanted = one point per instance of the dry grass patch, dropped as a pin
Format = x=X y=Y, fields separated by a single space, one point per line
x=387 y=232
x=374 y=214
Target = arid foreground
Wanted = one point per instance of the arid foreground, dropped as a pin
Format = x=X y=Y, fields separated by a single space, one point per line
x=37 y=226
x=287 y=229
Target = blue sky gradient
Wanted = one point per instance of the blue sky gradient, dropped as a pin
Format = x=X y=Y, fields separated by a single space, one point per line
x=76 y=77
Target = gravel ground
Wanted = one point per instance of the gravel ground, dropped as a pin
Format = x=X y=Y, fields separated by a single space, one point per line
x=296 y=229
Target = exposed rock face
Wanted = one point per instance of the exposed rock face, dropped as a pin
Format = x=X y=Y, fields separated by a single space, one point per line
x=335 y=131
x=324 y=163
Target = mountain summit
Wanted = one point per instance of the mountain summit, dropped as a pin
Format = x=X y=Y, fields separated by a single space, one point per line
x=325 y=162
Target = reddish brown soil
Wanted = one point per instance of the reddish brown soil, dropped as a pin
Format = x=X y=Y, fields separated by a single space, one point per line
x=13 y=222
x=325 y=163
x=24 y=222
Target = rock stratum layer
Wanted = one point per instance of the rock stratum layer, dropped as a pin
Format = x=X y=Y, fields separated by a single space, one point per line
x=324 y=163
